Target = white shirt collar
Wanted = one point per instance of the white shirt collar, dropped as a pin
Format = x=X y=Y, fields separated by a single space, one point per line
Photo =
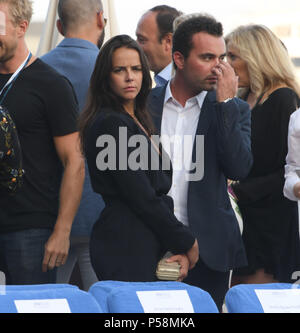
x=199 y=98
x=166 y=73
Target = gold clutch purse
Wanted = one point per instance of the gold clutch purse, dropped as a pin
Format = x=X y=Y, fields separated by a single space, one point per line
x=168 y=271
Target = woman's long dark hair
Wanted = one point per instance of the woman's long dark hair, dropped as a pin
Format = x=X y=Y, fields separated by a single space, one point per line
x=100 y=94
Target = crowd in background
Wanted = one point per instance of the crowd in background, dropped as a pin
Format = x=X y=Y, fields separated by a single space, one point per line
x=63 y=203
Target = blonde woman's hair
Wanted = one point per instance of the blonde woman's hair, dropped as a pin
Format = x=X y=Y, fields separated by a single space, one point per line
x=267 y=58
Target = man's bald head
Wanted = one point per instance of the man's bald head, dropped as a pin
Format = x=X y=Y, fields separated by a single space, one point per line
x=76 y=13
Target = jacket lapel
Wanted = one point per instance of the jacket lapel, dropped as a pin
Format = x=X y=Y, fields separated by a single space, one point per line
x=205 y=118
x=206 y=113
x=156 y=105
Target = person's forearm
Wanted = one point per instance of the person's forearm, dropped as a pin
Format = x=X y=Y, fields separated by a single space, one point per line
x=70 y=195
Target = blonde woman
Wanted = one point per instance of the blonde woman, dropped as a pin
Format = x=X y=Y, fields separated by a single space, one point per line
x=267 y=82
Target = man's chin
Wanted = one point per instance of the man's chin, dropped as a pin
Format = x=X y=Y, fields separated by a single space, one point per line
x=211 y=87
x=4 y=57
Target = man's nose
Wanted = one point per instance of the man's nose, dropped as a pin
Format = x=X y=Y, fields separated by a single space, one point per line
x=217 y=63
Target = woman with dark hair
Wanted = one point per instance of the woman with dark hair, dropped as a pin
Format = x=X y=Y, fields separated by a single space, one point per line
x=137 y=226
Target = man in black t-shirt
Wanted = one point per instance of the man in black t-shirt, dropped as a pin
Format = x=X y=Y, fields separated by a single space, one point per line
x=35 y=224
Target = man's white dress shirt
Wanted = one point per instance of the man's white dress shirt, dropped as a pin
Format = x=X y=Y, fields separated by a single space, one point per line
x=178 y=131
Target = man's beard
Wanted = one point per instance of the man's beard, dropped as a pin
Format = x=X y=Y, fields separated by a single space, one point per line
x=7 y=53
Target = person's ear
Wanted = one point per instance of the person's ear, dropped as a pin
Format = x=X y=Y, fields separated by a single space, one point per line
x=178 y=59
x=22 y=28
x=168 y=42
x=100 y=20
x=59 y=27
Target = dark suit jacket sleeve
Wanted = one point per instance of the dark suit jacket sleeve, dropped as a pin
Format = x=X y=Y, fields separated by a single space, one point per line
x=234 y=138
x=134 y=188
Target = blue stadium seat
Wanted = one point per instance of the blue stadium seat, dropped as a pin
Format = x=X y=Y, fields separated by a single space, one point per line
x=121 y=297
x=78 y=300
x=243 y=299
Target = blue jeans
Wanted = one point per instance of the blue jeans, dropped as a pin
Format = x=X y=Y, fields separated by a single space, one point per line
x=21 y=257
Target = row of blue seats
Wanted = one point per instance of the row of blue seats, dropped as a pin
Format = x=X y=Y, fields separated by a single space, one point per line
x=122 y=297
x=103 y=296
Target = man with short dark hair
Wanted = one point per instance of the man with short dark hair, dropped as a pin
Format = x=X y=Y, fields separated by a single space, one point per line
x=199 y=102
x=35 y=223
x=82 y=25
x=154 y=33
